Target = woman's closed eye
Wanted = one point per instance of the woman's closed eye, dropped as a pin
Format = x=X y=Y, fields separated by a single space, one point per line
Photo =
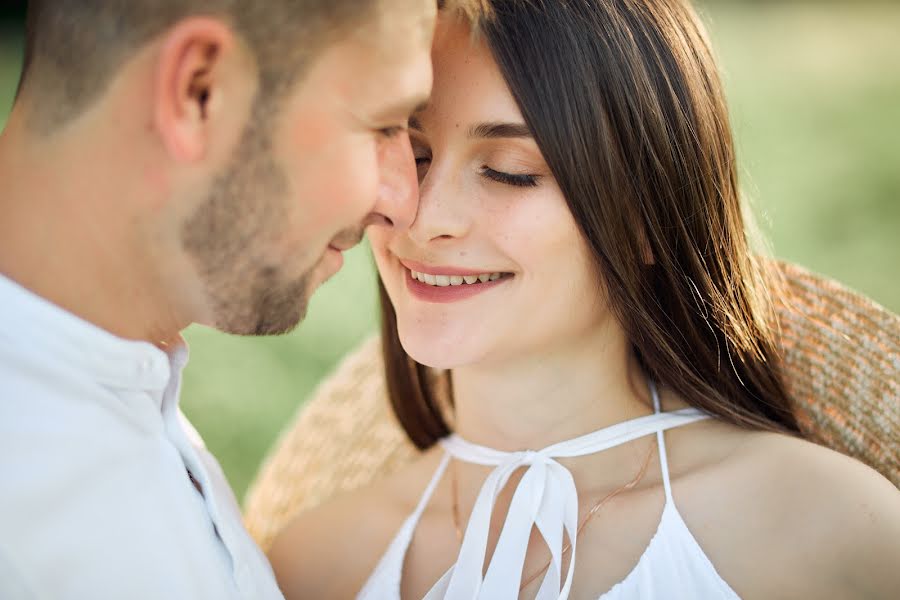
x=423 y=162
x=513 y=179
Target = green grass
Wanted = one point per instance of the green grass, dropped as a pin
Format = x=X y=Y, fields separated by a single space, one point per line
x=10 y=64
x=239 y=392
x=815 y=97
x=815 y=100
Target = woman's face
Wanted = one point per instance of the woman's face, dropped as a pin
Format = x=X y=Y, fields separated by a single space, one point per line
x=493 y=268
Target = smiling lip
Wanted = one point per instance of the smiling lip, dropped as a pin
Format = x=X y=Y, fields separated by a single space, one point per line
x=450 y=293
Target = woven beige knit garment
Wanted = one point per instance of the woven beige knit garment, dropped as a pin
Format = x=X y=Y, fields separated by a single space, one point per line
x=842 y=359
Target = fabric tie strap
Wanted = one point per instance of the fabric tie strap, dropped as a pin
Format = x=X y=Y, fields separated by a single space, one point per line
x=545 y=498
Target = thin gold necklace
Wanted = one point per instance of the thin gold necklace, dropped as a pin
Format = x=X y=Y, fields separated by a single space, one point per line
x=596 y=507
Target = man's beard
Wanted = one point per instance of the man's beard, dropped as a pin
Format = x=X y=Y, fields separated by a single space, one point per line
x=227 y=238
x=273 y=306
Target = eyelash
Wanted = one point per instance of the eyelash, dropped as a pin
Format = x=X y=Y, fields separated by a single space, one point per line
x=514 y=180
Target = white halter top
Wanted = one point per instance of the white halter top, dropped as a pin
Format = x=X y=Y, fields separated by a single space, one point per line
x=672 y=566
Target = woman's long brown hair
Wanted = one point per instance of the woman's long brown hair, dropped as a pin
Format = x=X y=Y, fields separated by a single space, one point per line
x=624 y=101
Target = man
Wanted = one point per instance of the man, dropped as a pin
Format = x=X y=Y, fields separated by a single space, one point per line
x=170 y=162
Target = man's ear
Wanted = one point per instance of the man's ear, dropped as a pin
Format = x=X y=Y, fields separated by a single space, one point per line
x=189 y=82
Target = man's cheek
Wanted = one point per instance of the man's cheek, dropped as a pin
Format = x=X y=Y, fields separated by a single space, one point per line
x=313 y=133
x=315 y=221
x=349 y=199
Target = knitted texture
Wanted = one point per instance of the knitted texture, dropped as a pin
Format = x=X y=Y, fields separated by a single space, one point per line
x=842 y=366
x=341 y=439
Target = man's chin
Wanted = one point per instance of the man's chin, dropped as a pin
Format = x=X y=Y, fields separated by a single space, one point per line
x=281 y=320
x=266 y=325
x=273 y=311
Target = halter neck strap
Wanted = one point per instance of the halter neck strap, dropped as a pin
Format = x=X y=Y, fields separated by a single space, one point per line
x=591 y=443
x=545 y=498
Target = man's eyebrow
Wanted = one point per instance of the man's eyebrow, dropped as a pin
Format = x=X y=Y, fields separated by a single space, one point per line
x=398 y=109
x=500 y=130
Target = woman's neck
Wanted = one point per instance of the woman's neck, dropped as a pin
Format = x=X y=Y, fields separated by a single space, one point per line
x=533 y=401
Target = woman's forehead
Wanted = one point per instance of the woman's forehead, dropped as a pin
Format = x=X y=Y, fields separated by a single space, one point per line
x=468 y=84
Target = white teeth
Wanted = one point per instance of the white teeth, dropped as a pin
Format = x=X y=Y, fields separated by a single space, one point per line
x=448 y=280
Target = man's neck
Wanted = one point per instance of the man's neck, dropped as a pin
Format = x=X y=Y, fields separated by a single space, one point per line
x=66 y=236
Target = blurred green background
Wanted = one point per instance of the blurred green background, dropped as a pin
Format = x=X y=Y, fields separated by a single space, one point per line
x=814 y=90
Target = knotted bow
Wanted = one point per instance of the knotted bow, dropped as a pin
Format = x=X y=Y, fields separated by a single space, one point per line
x=545 y=498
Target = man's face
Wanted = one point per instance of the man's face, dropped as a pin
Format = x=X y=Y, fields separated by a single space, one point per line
x=309 y=171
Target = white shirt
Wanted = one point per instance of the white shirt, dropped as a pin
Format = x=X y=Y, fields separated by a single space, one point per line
x=95 y=497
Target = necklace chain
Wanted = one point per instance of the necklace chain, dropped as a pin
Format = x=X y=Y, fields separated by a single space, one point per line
x=596 y=507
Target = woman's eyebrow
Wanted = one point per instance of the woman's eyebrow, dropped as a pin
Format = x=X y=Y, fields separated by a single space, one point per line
x=500 y=130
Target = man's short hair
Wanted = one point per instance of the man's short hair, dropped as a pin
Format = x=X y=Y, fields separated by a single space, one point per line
x=74 y=47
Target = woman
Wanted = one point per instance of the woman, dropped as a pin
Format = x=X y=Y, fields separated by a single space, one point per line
x=578 y=278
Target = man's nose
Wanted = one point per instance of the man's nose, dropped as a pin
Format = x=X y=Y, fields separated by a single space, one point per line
x=398 y=186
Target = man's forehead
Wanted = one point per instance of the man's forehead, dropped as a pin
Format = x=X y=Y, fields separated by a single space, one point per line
x=379 y=85
x=381 y=68
x=398 y=51
x=402 y=25
x=400 y=89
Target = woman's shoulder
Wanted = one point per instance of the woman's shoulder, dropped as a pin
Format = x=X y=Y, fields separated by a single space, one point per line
x=816 y=522
x=329 y=551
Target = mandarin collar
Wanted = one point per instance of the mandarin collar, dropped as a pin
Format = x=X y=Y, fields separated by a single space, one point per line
x=36 y=325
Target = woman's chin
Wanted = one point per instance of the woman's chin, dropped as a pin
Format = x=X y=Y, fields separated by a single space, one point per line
x=438 y=353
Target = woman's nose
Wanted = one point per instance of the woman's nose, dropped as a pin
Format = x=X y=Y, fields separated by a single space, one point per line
x=442 y=210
